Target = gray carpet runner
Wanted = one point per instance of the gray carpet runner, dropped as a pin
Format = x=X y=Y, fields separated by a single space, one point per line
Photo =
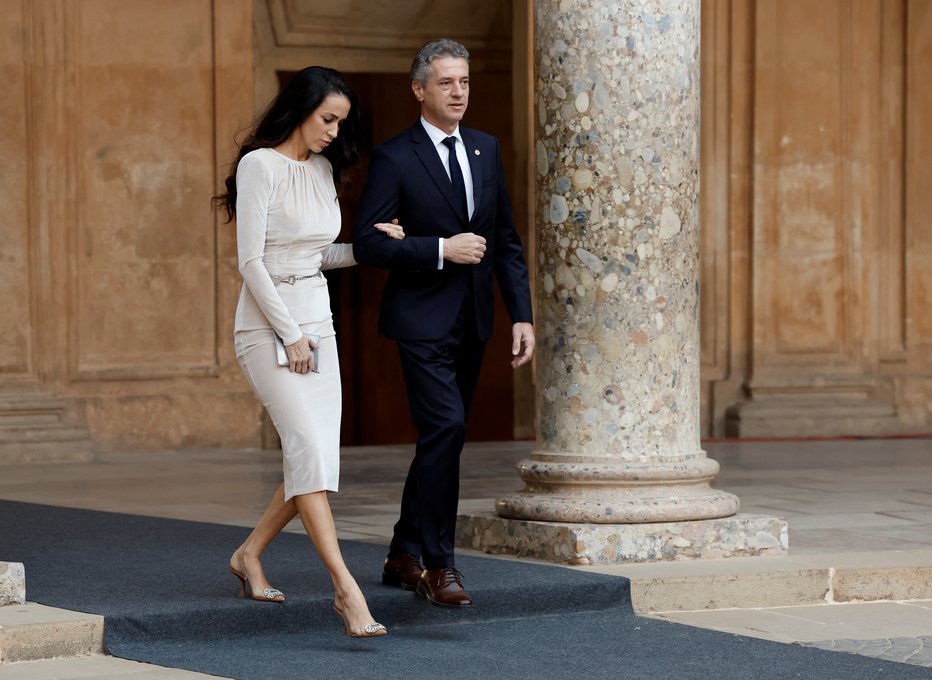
x=167 y=597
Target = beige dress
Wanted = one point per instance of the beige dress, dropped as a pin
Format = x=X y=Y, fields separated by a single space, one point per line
x=287 y=217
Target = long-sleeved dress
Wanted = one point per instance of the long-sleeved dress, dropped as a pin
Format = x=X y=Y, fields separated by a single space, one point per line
x=287 y=217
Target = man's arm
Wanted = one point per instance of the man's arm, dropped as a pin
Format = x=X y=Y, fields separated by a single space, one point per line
x=512 y=273
x=381 y=203
x=508 y=259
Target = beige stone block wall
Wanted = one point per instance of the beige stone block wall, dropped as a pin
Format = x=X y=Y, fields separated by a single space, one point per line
x=816 y=247
x=16 y=337
x=119 y=282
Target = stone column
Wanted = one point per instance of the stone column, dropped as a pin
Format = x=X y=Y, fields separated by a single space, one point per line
x=617 y=157
x=618 y=234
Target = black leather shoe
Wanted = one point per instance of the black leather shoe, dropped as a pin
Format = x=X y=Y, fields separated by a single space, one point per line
x=403 y=570
x=444 y=586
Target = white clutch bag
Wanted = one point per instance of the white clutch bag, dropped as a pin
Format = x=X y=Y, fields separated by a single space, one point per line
x=283 y=356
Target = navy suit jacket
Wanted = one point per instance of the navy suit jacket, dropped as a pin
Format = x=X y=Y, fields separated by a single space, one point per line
x=407 y=180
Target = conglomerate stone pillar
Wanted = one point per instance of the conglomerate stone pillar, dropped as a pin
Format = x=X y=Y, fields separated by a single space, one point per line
x=617 y=156
x=618 y=234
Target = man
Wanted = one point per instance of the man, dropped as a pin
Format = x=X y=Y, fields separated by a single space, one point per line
x=445 y=184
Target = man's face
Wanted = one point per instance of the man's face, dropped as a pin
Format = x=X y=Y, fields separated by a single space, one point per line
x=446 y=95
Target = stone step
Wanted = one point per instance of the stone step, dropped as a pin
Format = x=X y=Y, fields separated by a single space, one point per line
x=14 y=419
x=60 y=447
x=29 y=632
x=57 y=432
x=38 y=432
x=99 y=667
x=813 y=426
x=842 y=407
x=54 y=444
x=744 y=583
x=35 y=412
x=12 y=583
x=31 y=402
x=38 y=428
x=33 y=631
x=826 y=416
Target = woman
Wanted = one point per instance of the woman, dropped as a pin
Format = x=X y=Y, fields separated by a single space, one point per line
x=284 y=199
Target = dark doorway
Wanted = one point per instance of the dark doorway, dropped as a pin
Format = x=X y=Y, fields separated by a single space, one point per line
x=375 y=407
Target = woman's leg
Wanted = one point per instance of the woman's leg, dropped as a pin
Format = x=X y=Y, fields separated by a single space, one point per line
x=314 y=509
x=245 y=559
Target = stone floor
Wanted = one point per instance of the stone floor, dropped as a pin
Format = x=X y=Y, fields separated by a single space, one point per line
x=859 y=514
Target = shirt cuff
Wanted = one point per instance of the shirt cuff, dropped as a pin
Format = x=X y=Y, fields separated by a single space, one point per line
x=440 y=258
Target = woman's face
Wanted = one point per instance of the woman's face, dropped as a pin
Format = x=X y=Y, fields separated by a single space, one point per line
x=322 y=126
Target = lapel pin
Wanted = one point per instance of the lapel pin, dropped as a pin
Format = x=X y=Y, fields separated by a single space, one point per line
x=477 y=152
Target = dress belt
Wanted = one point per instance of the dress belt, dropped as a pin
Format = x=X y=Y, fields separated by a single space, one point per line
x=291 y=278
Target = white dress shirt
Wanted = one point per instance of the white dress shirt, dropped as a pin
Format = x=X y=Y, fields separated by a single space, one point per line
x=437 y=136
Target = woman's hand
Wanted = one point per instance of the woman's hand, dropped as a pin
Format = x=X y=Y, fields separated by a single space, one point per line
x=394 y=230
x=300 y=359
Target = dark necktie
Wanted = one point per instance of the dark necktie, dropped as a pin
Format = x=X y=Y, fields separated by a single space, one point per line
x=456 y=177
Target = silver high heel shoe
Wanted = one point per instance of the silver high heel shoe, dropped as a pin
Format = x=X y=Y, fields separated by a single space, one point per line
x=268 y=594
x=369 y=630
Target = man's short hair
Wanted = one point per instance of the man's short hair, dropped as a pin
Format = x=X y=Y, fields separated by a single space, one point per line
x=444 y=47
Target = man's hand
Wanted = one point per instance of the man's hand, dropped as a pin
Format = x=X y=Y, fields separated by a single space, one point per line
x=465 y=248
x=522 y=333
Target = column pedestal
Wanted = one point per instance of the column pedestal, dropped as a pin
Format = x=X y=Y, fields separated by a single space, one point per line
x=743 y=535
x=600 y=489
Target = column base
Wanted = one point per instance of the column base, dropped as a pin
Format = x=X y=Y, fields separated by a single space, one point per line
x=565 y=487
x=741 y=535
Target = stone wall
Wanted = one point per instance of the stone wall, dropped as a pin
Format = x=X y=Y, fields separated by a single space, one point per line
x=119 y=283
x=816 y=246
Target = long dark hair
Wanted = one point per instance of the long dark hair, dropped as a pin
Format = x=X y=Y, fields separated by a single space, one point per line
x=298 y=100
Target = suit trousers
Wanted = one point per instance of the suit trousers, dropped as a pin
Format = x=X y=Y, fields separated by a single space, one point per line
x=440 y=380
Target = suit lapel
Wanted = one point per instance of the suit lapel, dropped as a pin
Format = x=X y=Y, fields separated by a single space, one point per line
x=475 y=166
x=425 y=150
